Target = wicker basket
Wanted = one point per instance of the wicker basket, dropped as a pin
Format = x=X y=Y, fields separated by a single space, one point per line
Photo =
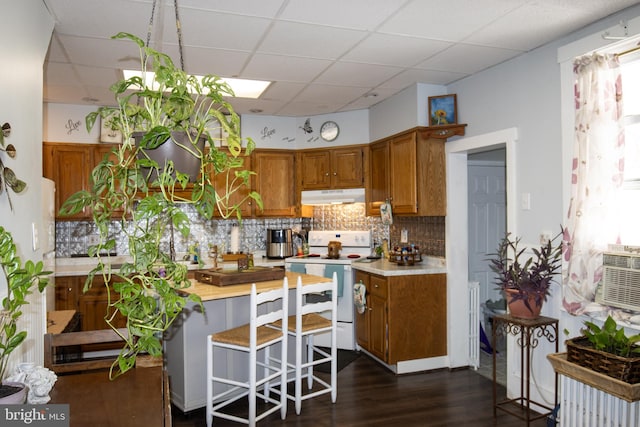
x=581 y=352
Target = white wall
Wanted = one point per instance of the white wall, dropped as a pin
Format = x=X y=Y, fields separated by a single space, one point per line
x=525 y=93
x=404 y=110
x=66 y=123
x=24 y=38
x=289 y=133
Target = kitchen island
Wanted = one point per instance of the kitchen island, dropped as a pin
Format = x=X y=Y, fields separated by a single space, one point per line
x=185 y=344
x=404 y=323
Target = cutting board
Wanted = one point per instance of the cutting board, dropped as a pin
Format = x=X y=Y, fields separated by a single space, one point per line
x=234 y=277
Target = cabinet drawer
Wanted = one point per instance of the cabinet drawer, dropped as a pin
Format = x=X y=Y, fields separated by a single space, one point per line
x=379 y=286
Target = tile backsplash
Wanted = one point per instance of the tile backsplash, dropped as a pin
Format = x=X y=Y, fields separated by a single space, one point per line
x=74 y=237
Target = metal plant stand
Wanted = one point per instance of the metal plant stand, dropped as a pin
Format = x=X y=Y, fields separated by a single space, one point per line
x=529 y=332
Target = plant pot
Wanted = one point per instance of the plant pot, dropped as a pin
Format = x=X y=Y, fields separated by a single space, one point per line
x=13 y=393
x=518 y=308
x=183 y=160
x=581 y=352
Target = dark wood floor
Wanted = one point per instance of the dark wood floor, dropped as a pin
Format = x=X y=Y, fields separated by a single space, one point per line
x=370 y=395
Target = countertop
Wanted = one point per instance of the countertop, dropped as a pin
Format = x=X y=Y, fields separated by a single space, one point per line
x=382 y=267
x=213 y=292
x=82 y=266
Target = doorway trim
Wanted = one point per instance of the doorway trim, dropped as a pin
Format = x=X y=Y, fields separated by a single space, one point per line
x=457 y=229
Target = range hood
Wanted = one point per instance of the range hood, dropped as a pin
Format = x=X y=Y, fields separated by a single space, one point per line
x=331 y=197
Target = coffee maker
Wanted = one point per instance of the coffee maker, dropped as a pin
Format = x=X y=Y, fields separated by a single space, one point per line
x=279 y=243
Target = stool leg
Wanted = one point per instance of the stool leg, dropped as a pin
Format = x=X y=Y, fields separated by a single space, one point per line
x=334 y=367
x=283 y=380
x=209 y=383
x=298 y=376
x=310 y=359
x=267 y=363
x=252 y=388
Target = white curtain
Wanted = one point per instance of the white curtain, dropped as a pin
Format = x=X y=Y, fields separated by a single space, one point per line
x=596 y=178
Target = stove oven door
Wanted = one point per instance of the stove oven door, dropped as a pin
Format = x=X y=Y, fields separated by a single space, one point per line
x=346 y=332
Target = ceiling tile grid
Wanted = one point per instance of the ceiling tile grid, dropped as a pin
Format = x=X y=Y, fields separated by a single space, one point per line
x=322 y=56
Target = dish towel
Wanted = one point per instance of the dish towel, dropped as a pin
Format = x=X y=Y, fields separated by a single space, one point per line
x=297 y=268
x=315 y=269
x=359 y=297
x=339 y=270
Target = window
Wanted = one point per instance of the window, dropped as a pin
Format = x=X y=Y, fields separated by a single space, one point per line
x=631 y=105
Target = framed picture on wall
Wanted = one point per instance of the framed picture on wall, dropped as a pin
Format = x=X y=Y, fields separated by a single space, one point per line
x=443 y=110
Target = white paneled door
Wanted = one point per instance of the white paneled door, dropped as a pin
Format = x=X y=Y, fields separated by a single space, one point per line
x=487 y=222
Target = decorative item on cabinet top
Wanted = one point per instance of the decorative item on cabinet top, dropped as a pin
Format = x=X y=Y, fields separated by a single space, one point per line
x=443 y=110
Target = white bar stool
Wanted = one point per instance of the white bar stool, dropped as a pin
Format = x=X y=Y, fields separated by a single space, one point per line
x=259 y=334
x=310 y=319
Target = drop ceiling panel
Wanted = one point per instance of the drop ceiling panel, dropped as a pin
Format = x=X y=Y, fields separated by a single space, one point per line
x=356 y=14
x=262 y=8
x=467 y=59
x=284 y=68
x=356 y=74
x=309 y=41
x=394 y=50
x=412 y=76
x=224 y=31
x=446 y=20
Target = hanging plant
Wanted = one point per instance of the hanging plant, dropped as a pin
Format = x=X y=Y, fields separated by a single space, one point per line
x=8 y=178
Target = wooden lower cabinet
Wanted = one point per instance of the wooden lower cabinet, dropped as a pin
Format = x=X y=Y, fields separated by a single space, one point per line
x=405 y=317
x=91 y=305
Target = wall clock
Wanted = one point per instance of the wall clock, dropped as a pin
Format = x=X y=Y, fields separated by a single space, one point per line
x=329 y=131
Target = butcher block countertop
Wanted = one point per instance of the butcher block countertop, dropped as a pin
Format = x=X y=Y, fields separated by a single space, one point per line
x=213 y=292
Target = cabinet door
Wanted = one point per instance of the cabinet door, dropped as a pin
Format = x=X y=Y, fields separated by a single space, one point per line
x=315 y=169
x=346 y=168
x=67 y=290
x=363 y=319
x=432 y=177
x=68 y=165
x=93 y=306
x=275 y=182
x=221 y=184
x=378 y=180
x=378 y=318
x=403 y=177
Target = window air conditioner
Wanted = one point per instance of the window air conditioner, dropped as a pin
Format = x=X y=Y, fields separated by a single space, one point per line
x=620 y=285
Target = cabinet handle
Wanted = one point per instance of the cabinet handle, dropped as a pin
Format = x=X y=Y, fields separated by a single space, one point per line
x=334 y=174
x=376 y=286
x=326 y=174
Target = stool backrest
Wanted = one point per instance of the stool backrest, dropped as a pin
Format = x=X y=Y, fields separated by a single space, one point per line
x=261 y=314
x=326 y=305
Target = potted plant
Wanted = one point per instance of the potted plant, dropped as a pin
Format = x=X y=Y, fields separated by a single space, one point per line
x=21 y=280
x=607 y=350
x=145 y=195
x=525 y=282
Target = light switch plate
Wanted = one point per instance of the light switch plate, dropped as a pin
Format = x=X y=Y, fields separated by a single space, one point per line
x=35 y=241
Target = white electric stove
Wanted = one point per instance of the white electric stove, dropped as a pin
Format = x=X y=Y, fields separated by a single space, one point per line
x=355 y=245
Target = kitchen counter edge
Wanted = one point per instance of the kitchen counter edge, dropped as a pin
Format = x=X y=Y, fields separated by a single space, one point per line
x=382 y=267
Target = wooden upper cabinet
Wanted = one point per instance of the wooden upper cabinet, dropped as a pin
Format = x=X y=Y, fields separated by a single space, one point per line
x=409 y=170
x=220 y=183
x=275 y=182
x=402 y=174
x=68 y=165
x=332 y=168
x=377 y=177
